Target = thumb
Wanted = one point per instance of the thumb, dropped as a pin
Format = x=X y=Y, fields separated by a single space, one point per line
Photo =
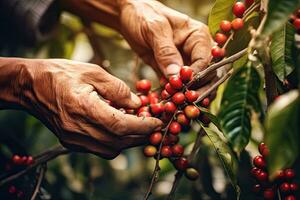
x=166 y=53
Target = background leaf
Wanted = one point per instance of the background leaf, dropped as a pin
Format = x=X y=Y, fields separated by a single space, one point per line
x=222 y=10
x=278 y=14
x=281 y=51
x=240 y=98
x=226 y=156
x=283 y=131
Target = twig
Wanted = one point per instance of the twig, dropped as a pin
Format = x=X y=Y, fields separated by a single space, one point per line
x=215 y=86
x=215 y=66
x=39 y=159
x=39 y=181
x=192 y=155
x=157 y=168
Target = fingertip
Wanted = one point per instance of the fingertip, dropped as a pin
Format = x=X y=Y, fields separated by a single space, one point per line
x=136 y=102
x=172 y=69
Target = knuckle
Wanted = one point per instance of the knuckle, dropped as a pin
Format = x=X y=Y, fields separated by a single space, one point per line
x=166 y=51
x=122 y=90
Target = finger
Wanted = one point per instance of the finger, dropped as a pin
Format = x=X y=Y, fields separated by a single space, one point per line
x=149 y=59
x=133 y=141
x=82 y=143
x=116 y=121
x=165 y=52
x=198 y=46
x=113 y=89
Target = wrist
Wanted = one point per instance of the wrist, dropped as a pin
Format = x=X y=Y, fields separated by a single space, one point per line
x=16 y=78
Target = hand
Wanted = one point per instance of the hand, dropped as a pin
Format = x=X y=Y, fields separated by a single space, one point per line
x=67 y=96
x=165 y=38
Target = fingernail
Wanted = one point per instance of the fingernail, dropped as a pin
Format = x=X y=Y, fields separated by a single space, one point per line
x=172 y=69
x=136 y=100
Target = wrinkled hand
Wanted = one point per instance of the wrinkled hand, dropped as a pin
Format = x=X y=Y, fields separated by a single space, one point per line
x=65 y=95
x=165 y=38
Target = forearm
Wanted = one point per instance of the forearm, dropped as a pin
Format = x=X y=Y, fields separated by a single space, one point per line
x=13 y=78
x=106 y=12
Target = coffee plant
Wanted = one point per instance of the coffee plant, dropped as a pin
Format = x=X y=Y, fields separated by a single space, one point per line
x=256 y=59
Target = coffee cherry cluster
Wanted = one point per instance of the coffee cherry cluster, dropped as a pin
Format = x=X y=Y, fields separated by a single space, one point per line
x=295 y=20
x=15 y=193
x=221 y=37
x=174 y=106
x=268 y=189
x=22 y=160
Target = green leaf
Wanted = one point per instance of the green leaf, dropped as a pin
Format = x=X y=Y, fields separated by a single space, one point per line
x=212 y=117
x=242 y=37
x=281 y=51
x=240 y=98
x=283 y=131
x=222 y=10
x=226 y=155
x=278 y=14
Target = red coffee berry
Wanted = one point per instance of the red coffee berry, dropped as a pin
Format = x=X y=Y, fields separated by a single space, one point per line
x=181 y=163
x=166 y=117
x=143 y=86
x=30 y=160
x=175 y=82
x=155 y=138
x=163 y=81
x=170 y=107
x=177 y=150
x=191 y=111
x=217 y=52
x=23 y=159
x=12 y=189
x=164 y=94
x=239 y=9
x=259 y=162
x=225 y=26
x=280 y=175
x=173 y=139
x=289 y=173
x=249 y=3
x=192 y=174
x=186 y=74
x=269 y=194
x=263 y=149
x=143 y=109
x=16 y=159
x=166 y=151
x=205 y=119
x=153 y=97
x=237 y=24
x=191 y=96
x=285 y=187
x=290 y=197
x=144 y=100
x=255 y=171
x=297 y=23
x=183 y=120
x=256 y=188
x=220 y=38
x=294 y=187
x=205 y=102
x=170 y=89
x=157 y=108
x=262 y=176
x=175 y=128
x=144 y=114
x=178 y=98
x=150 y=151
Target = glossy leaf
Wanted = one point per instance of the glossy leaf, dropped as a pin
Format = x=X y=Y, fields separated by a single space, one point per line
x=212 y=117
x=226 y=155
x=283 y=131
x=281 y=51
x=240 y=98
x=222 y=10
x=278 y=14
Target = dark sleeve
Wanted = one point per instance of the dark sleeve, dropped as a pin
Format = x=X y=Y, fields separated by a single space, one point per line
x=28 y=20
